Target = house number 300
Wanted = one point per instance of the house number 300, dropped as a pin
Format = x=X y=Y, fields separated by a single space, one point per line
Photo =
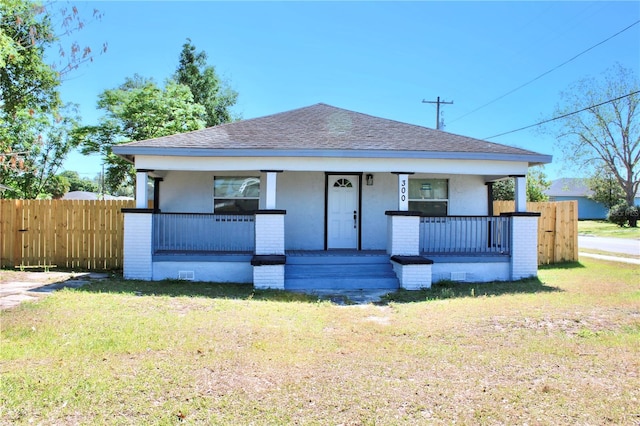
x=403 y=190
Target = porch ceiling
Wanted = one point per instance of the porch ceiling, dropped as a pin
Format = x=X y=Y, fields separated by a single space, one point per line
x=493 y=169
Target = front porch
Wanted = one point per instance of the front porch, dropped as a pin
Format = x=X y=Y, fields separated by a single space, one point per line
x=237 y=248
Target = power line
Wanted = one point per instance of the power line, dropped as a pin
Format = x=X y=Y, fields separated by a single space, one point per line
x=545 y=73
x=564 y=115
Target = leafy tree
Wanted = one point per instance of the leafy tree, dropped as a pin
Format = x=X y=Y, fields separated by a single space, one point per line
x=139 y=109
x=34 y=130
x=607 y=133
x=536 y=185
x=622 y=214
x=605 y=187
x=26 y=80
x=76 y=183
x=45 y=139
x=205 y=85
x=57 y=186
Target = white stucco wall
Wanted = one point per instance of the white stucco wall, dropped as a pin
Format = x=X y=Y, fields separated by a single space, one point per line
x=470 y=271
x=301 y=194
x=467 y=195
x=377 y=199
x=187 y=192
x=218 y=271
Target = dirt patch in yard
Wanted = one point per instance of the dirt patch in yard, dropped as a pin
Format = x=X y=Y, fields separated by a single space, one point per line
x=43 y=278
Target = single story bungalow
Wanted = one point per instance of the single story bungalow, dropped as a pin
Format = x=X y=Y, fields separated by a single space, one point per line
x=324 y=198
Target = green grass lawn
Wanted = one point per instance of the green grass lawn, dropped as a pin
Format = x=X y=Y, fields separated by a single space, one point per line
x=601 y=228
x=561 y=349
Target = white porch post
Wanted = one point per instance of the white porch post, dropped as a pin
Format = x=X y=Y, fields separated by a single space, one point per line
x=138 y=242
x=269 y=259
x=524 y=244
x=403 y=192
x=142 y=198
x=403 y=233
x=403 y=246
x=520 y=193
x=270 y=188
x=403 y=241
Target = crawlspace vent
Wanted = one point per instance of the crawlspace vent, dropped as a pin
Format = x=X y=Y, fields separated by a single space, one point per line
x=186 y=275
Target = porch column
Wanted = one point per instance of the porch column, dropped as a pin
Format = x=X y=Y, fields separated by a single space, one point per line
x=142 y=198
x=270 y=188
x=403 y=246
x=520 y=195
x=524 y=244
x=138 y=227
x=269 y=259
x=156 y=194
x=403 y=233
x=489 y=198
x=403 y=190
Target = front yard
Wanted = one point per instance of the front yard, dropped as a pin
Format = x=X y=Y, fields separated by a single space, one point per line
x=564 y=349
x=602 y=228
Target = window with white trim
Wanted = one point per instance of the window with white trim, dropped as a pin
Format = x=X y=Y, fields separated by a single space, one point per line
x=429 y=196
x=236 y=194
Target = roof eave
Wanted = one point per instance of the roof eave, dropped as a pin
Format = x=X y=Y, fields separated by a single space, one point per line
x=129 y=153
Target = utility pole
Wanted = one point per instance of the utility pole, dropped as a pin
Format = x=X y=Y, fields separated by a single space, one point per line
x=437 y=102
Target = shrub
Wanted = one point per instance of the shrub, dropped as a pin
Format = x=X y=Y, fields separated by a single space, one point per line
x=622 y=214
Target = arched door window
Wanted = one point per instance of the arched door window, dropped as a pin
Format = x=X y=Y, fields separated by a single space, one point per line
x=343 y=183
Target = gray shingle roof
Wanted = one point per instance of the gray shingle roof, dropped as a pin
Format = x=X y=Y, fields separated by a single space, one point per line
x=569 y=187
x=322 y=127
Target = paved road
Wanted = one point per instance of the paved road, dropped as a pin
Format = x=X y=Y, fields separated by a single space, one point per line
x=611 y=245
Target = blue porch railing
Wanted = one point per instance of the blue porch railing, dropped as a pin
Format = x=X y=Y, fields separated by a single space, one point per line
x=465 y=235
x=193 y=232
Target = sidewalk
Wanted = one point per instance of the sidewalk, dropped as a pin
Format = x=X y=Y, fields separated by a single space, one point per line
x=611 y=258
x=34 y=285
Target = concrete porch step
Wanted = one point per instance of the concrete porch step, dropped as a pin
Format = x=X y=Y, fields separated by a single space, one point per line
x=340 y=272
x=315 y=284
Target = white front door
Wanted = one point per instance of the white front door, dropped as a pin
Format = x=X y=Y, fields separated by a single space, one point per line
x=342 y=211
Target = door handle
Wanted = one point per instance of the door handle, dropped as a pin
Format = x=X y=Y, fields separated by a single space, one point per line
x=355 y=219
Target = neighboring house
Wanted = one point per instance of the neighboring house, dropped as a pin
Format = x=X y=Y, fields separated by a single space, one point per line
x=569 y=189
x=321 y=197
x=576 y=189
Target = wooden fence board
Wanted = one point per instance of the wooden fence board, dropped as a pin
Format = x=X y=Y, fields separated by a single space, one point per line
x=71 y=234
x=557 y=229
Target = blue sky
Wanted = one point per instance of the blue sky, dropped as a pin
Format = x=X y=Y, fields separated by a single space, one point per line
x=378 y=58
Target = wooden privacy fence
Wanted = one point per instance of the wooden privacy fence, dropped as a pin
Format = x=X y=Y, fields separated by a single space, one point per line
x=557 y=229
x=70 y=234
